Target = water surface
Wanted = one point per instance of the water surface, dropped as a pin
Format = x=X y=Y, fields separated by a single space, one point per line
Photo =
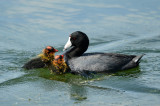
x=128 y=27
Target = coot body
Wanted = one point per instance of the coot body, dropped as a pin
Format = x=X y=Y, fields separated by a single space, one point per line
x=80 y=62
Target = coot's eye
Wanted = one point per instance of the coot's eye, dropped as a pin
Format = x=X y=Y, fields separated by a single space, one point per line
x=73 y=38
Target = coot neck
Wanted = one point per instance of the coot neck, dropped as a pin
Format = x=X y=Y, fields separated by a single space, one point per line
x=75 y=52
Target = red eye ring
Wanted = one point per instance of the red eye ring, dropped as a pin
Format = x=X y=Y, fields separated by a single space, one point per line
x=74 y=38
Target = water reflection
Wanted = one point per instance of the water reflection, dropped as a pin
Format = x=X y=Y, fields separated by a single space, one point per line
x=78 y=92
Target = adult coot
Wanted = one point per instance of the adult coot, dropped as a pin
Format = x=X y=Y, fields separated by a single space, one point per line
x=80 y=62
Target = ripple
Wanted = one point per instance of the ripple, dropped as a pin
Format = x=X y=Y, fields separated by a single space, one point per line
x=7 y=76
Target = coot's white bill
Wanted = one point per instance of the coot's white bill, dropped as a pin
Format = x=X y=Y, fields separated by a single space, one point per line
x=68 y=44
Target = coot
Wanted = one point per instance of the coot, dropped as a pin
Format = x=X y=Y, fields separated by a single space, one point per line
x=43 y=60
x=58 y=65
x=80 y=62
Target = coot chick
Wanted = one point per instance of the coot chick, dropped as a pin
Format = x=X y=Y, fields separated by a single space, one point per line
x=42 y=60
x=58 y=65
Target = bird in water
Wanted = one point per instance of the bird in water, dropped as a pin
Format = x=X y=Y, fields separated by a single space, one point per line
x=42 y=60
x=58 y=65
x=48 y=59
x=77 y=62
x=80 y=62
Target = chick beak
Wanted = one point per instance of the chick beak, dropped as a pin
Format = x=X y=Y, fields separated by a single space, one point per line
x=55 y=50
x=62 y=56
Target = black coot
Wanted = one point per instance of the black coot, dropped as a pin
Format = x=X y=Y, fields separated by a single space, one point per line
x=80 y=62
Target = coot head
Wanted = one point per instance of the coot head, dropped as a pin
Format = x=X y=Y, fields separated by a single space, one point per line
x=47 y=54
x=79 y=42
x=77 y=39
x=58 y=59
x=49 y=50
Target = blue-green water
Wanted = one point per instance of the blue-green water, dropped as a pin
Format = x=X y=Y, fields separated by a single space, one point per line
x=120 y=26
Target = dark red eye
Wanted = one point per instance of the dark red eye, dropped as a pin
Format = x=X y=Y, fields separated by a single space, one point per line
x=74 y=38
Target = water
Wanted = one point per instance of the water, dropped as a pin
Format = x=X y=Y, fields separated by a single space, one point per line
x=128 y=27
